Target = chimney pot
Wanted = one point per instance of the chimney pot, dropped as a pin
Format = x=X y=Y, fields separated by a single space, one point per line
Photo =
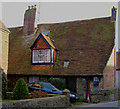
x=28 y=7
x=32 y=6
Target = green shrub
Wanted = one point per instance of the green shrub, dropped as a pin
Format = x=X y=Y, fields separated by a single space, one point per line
x=4 y=85
x=20 y=90
x=58 y=82
x=81 y=100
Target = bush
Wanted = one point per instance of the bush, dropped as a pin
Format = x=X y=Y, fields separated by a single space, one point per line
x=4 y=85
x=38 y=94
x=57 y=82
x=20 y=90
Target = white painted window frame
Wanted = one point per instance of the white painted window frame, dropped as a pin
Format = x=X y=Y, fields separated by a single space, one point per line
x=51 y=55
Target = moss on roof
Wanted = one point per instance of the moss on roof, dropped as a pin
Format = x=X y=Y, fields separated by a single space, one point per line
x=86 y=44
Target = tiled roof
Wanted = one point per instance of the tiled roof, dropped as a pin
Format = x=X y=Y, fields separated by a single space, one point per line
x=87 y=45
x=49 y=41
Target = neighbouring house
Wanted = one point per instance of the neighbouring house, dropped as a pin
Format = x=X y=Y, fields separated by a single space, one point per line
x=4 y=47
x=77 y=51
x=118 y=69
x=118 y=52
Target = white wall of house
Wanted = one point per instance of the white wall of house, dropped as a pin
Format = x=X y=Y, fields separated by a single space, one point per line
x=111 y=59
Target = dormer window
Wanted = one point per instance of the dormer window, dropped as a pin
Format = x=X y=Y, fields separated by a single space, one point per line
x=43 y=50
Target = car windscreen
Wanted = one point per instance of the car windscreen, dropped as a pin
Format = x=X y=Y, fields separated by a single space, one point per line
x=47 y=85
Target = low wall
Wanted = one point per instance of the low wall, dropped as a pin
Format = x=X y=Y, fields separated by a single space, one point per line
x=56 y=101
x=105 y=95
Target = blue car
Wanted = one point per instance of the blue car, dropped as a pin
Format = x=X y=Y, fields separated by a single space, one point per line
x=49 y=88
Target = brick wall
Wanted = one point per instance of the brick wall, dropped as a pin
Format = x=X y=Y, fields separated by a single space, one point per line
x=107 y=81
x=41 y=67
x=109 y=77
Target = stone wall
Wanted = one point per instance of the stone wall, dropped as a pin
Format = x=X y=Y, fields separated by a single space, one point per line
x=81 y=87
x=105 y=95
x=56 y=101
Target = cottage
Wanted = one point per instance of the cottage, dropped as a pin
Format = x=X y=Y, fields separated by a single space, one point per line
x=77 y=51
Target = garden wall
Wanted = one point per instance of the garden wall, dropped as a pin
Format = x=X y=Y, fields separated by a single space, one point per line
x=56 y=101
x=105 y=95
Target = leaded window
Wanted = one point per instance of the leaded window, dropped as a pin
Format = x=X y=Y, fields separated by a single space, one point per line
x=42 y=56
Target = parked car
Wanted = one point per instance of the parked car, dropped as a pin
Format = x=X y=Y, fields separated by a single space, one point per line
x=49 y=88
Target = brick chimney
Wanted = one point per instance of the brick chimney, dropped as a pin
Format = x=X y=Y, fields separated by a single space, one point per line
x=113 y=14
x=29 y=20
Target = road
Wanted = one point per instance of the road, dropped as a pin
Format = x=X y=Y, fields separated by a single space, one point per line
x=107 y=105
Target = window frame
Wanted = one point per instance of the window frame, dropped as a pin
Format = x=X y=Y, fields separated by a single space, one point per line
x=66 y=63
x=96 y=81
x=51 y=58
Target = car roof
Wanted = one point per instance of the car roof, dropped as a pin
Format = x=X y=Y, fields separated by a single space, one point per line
x=44 y=83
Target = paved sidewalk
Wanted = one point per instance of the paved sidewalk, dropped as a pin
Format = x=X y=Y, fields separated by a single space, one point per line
x=111 y=105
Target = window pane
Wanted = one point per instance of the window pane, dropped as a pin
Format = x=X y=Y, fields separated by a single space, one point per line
x=41 y=55
x=41 y=52
x=52 y=55
x=35 y=56
x=96 y=79
x=66 y=63
x=47 y=55
x=96 y=82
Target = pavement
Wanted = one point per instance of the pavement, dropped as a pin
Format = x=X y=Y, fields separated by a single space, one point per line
x=101 y=105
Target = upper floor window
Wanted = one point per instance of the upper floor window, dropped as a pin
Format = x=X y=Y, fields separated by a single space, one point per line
x=42 y=56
